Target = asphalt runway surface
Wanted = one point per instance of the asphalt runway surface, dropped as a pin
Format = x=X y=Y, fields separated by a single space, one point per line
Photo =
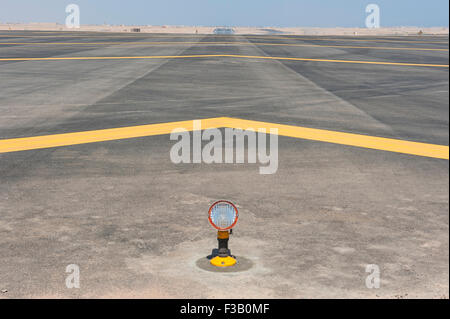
x=136 y=223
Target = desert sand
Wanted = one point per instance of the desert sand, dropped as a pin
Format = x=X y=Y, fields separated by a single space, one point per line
x=237 y=30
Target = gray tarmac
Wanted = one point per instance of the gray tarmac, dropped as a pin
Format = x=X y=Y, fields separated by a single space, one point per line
x=136 y=223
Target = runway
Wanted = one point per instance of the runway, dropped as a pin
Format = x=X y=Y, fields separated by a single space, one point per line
x=86 y=176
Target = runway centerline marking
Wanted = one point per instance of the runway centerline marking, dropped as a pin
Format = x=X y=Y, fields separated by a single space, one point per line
x=335 y=137
x=213 y=43
x=223 y=56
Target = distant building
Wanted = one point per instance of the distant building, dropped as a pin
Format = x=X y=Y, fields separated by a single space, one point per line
x=223 y=31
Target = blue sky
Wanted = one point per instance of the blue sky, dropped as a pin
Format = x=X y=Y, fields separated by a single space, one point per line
x=278 y=13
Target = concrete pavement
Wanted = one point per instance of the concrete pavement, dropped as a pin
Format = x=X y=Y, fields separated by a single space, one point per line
x=136 y=223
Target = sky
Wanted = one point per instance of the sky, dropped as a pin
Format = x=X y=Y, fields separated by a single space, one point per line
x=259 y=13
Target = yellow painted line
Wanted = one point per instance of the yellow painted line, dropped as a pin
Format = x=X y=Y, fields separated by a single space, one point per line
x=124 y=36
x=66 y=139
x=114 y=57
x=348 y=47
x=338 y=61
x=213 y=43
x=224 y=55
x=96 y=43
x=284 y=37
x=344 y=39
x=114 y=43
x=335 y=137
x=351 y=139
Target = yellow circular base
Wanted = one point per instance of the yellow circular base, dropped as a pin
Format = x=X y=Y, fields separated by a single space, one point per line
x=223 y=261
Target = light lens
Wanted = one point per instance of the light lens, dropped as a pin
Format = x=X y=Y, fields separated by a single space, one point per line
x=223 y=215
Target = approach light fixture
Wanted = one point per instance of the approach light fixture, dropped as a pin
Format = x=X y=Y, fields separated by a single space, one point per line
x=223 y=216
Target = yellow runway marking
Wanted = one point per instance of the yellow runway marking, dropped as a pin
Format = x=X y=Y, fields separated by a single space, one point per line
x=223 y=56
x=248 y=36
x=338 y=61
x=301 y=38
x=351 y=139
x=212 y=43
x=358 y=140
x=66 y=139
x=350 y=47
x=115 y=57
